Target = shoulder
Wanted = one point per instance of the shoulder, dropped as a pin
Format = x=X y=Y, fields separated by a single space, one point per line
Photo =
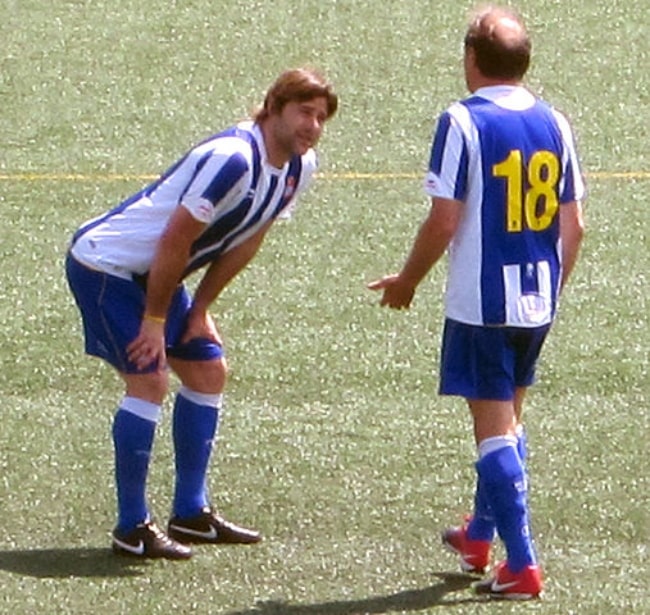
x=232 y=151
x=455 y=122
x=561 y=119
x=235 y=141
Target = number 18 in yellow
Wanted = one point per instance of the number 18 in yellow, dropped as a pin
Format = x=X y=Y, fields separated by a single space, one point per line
x=540 y=202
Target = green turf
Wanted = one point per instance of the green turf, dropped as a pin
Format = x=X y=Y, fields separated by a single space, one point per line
x=334 y=442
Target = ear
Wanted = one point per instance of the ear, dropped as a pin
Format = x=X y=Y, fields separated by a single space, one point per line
x=470 y=56
x=472 y=73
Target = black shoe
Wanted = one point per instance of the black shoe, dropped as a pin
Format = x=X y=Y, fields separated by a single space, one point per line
x=210 y=528
x=147 y=540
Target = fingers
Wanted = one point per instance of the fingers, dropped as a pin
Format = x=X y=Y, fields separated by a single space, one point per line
x=396 y=295
x=143 y=354
x=147 y=348
x=384 y=282
x=201 y=327
x=377 y=284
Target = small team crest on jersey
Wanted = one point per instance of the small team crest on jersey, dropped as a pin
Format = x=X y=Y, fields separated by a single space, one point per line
x=431 y=182
x=290 y=187
x=205 y=209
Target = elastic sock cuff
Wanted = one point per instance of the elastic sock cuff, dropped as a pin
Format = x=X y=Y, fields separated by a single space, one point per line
x=211 y=400
x=141 y=408
x=489 y=445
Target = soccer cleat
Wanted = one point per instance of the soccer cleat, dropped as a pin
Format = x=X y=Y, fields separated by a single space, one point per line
x=147 y=540
x=209 y=528
x=503 y=584
x=474 y=554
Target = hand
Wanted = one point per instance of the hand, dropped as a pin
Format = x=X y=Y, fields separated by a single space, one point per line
x=149 y=346
x=201 y=325
x=398 y=294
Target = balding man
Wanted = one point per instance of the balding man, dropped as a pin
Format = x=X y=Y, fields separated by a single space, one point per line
x=506 y=192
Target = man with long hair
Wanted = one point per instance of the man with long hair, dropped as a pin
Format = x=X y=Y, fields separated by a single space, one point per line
x=210 y=212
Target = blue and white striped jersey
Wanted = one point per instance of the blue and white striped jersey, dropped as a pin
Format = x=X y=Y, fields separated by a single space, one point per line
x=511 y=160
x=225 y=181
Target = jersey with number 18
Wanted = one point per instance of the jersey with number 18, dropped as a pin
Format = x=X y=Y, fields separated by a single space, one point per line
x=511 y=160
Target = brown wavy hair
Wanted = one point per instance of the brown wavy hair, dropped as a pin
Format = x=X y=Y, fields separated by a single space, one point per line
x=297 y=85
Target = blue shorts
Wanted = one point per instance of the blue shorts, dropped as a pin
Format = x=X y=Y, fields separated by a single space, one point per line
x=488 y=362
x=112 y=309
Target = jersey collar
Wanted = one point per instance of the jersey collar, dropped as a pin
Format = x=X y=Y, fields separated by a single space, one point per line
x=515 y=97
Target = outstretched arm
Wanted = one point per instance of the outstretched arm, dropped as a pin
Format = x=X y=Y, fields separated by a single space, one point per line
x=430 y=244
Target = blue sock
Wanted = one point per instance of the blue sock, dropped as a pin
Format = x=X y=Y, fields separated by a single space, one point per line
x=482 y=525
x=502 y=475
x=134 y=428
x=195 y=422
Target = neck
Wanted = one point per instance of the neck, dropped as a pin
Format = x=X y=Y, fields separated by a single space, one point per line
x=276 y=155
x=485 y=82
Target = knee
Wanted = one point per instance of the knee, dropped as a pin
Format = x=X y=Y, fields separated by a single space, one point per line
x=150 y=387
x=213 y=377
x=204 y=376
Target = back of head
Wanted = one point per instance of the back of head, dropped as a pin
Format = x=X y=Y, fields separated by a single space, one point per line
x=297 y=85
x=500 y=42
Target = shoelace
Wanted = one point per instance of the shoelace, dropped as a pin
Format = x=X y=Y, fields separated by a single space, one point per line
x=158 y=533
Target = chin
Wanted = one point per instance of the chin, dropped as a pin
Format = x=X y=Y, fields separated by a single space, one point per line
x=301 y=150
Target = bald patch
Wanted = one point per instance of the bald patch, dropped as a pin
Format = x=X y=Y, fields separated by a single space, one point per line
x=500 y=42
x=504 y=29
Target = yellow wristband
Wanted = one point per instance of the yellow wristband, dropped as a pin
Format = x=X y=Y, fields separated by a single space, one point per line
x=159 y=319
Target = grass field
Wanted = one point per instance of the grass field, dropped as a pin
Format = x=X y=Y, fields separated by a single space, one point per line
x=334 y=442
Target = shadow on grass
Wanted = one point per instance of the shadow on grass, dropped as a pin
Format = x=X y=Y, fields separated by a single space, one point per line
x=63 y=563
x=408 y=600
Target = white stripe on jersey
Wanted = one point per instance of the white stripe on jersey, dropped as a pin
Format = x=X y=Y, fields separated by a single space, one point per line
x=528 y=309
x=123 y=241
x=465 y=257
x=457 y=155
x=570 y=156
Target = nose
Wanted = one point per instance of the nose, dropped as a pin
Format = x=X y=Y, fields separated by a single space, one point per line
x=317 y=125
x=313 y=123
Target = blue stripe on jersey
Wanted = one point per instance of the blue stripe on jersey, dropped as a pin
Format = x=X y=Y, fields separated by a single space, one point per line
x=291 y=183
x=226 y=178
x=226 y=234
x=439 y=142
x=148 y=190
x=198 y=165
x=223 y=226
x=460 y=185
x=529 y=279
x=260 y=212
x=500 y=132
x=569 y=188
x=221 y=246
x=97 y=221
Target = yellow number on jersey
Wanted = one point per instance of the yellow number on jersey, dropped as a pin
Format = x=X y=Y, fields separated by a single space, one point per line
x=540 y=203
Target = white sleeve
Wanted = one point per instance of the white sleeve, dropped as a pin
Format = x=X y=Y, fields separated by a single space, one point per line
x=221 y=182
x=448 y=152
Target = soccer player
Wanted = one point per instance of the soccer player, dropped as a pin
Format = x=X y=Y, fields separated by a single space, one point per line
x=210 y=212
x=506 y=192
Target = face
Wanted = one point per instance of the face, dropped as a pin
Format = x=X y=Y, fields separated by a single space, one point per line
x=299 y=125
